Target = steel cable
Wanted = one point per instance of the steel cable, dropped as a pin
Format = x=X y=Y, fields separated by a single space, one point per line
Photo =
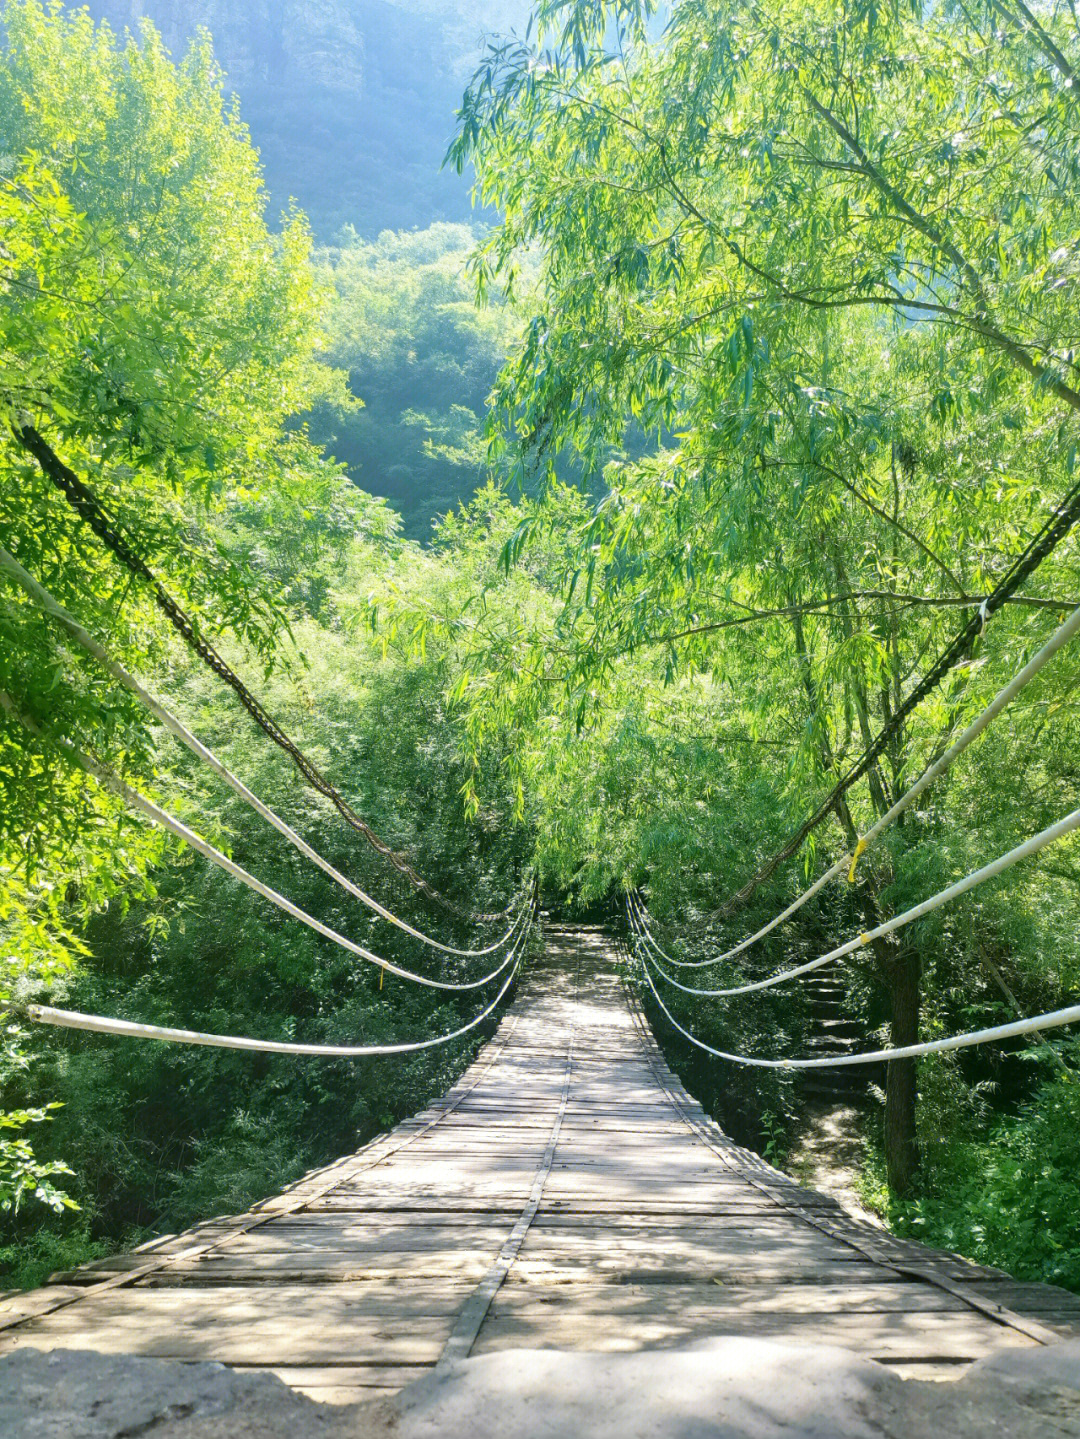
x=11 y=567
x=1056 y=527
x=1052 y=1020
x=129 y=1029
x=1031 y=846
x=1001 y=700
x=164 y=820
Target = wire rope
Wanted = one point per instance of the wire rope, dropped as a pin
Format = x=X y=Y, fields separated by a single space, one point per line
x=1037 y=842
x=1057 y=525
x=1054 y=1019
x=1001 y=700
x=102 y=1024
x=41 y=596
x=164 y=820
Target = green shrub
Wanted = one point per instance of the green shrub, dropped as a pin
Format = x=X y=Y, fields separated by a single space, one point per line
x=1010 y=1198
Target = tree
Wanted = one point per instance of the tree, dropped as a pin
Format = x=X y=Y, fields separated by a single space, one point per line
x=823 y=255
x=157 y=337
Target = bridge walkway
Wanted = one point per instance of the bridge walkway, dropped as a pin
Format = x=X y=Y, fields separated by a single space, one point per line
x=566 y=1193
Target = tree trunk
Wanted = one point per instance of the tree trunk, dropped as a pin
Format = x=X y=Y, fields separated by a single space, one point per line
x=901 y=1146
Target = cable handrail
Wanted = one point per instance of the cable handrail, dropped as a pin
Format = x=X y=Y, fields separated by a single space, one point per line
x=164 y=820
x=130 y=1029
x=1061 y=636
x=1054 y=1019
x=1050 y=835
x=1057 y=525
x=46 y=601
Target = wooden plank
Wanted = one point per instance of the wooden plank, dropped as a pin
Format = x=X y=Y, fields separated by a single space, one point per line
x=15 y=1305
x=718 y=1301
x=519 y=1321
x=260 y=1324
x=737 y=1271
x=1034 y=1298
x=468 y=1269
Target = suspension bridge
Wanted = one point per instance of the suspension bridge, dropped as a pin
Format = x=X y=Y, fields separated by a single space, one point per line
x=567 y=1193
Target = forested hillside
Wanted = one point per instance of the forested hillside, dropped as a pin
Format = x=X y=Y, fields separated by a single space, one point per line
x=350 y=106
x=422 y=359
x=350 y=102
x=772 y=404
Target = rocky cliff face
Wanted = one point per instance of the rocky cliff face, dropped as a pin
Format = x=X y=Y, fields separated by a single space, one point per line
x=262 y=42
x=350 y=102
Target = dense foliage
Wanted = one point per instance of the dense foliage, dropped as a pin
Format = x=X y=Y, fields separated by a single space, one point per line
x=422 y=358
x=800 y=317
x=163 y=341
x=825 y=256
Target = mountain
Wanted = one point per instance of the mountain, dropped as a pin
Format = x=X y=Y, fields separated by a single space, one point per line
x=350 y=102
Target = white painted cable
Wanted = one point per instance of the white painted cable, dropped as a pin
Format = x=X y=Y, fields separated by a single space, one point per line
x=838 y=868
x=41 y=596
x=1053 y=1020
x=101 y=1024
x=1031 y=846
x=165 y=820
x=1004 y=697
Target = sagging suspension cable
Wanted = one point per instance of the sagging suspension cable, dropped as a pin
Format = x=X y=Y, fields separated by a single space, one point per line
x=41 y=596
x=129 y=1029
x=164 y=820
x=1057 y=526
x=1031 y=846
x=89 y=509
x=1001 y=700
x=1054 y=1019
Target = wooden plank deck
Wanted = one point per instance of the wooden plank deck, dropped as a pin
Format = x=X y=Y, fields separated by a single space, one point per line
x=566 y=1193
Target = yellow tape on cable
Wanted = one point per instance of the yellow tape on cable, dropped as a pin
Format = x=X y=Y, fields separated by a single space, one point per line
x=860 y=850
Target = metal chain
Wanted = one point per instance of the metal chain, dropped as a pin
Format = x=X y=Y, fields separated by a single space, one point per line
x=89 y=509
x=1052 y=533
